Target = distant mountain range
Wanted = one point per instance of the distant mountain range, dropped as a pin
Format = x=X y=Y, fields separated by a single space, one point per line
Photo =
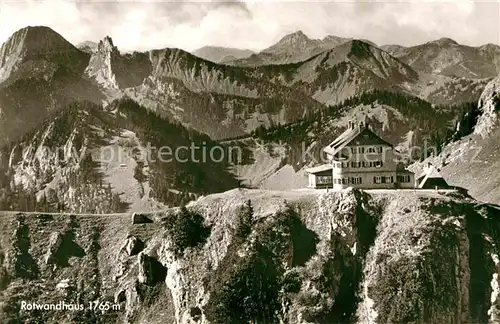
x=446 y=57
x=42 y=74
x=220 y=54
x=236 y=99
x=88 y=130
x=87 y=46
x=291 y=48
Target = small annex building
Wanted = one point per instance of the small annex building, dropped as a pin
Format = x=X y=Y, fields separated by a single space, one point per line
x=432 y=179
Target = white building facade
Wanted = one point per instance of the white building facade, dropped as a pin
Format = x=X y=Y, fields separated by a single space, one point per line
x=359 y=158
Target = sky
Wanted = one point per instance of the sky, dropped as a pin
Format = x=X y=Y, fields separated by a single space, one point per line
x=255 y=25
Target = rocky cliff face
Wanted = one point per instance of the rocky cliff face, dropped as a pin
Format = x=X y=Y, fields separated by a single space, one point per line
x=296 y=257
x=114 y=71
x=489 y=106
x=473 y=160
x=100 y=64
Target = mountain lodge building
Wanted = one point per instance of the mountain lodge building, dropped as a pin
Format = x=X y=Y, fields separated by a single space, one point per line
x=360 y=158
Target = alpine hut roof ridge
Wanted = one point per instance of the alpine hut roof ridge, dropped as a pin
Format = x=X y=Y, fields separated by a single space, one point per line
x=352 y=131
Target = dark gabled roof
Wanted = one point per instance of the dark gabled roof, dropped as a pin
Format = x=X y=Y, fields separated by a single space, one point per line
x=432 y=179
x=363 y=135
x=432 y=183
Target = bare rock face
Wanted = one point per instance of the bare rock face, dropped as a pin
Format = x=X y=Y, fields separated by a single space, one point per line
x=133 y=246
x=304 y=257
x=138 y=218
x=100 y=65
x=55 y=242
x=112 y=70
x=106 y=46
x=489 y=104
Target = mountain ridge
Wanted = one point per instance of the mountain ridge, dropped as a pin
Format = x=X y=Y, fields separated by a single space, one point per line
x=220 y=54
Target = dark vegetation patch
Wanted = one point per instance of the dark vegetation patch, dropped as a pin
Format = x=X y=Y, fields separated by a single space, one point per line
x=186 y=174
x=153 y=269
x=417 y=289
x=186 y=230
x=342 y=272
x=366 y=223
x=21 y=263
x=67 y=249
x=480 y=220
x=496 y=101
x=4 y=275
x=250 y=288
x=467 y=115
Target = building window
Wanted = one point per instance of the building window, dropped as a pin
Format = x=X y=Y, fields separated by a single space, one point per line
x=361 y=150
x=355 y=180
x=380 y=148
x=371 y=150
x=324 y=179
x=403 y=178
x=376 y=179
x=356 y=164
x=378 y=164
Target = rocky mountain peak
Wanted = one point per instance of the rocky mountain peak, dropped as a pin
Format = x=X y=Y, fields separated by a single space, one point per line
x=331 y=41
x=36 y=40
x=106 y=45
x=298 y=35
x=33 y=43
x=297 y=38
x=445 y=41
